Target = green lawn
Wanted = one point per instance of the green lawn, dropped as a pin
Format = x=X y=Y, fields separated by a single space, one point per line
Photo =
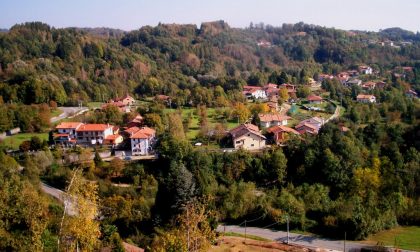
x=402 y=237
x=212 y=116
x=14 y=141
x=56 y=112
x=94 y=104
x=254 y=237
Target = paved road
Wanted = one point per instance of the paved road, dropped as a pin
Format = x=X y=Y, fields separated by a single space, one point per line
x=68 y=112
x=335 y=115
x=302 y=240
x=60 y=195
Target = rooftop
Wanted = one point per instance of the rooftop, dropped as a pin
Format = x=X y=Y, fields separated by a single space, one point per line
x=272 y=117
x=68 y=125
x=94 y=127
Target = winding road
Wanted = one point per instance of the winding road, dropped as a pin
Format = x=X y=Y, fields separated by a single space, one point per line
x=297 y=239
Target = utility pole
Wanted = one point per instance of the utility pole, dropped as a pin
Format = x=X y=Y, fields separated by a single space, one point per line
x=188 y=231
x=287 y=220
x=245 y=231
x=345 y=237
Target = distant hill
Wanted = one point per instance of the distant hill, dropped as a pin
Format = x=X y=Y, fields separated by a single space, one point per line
x=72 y=64
x=103 y=31
x=397 y=33
x=3 y=30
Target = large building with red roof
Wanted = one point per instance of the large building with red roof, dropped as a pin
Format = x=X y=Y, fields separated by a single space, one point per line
x=80 y=133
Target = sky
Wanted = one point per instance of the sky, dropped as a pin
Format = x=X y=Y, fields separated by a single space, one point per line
x=370 y=15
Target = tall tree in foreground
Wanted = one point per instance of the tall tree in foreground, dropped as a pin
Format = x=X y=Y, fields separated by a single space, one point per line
x=23 y=210
x=192 y=232
x=81 y=229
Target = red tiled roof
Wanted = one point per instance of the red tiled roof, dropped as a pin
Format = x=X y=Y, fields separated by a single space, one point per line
x=308 y=125
x=123 y=98
x=144 y=133
x=288 y=86
x=162 y=97
x=244 y=129
x=272 y=117
x=137 y=119
x=276 y=129
x=271 y=85
x=68 y=125
x=112 y=137
x=94 y=127
x=251 y=88
x=314 y=98
x=132 y=130
x=365 y=96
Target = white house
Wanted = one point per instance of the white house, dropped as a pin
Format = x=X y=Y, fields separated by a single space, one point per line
x=94 y=133
x=247 y=137
x=66 y=132
x=142 y=141
x=365 y=70
x=366 y=98
x=254 y=92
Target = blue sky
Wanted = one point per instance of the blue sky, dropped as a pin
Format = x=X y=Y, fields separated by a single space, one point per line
x=132 y=14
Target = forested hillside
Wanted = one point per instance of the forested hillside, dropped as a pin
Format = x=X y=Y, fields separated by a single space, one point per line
x=39 y=63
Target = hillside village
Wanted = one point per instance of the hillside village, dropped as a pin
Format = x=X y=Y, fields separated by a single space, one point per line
x=272 y=127
x=174 y=137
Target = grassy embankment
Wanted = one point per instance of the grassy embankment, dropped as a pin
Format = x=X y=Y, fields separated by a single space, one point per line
x=402 y=237
x=14 y=141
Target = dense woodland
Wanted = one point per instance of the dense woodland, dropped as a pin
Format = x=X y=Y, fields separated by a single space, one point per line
x=360 y=181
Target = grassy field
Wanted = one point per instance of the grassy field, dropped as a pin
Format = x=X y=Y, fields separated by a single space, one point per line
x=94 y=104
x=14 y=141
x=401 y=237
x=56 y=112
x=212 y=116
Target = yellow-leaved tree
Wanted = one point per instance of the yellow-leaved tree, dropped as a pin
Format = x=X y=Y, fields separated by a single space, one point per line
x=367 y=179
x=193 y=232
x=80 y=228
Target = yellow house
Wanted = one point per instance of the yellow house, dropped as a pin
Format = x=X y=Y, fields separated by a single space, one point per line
x=248 y=137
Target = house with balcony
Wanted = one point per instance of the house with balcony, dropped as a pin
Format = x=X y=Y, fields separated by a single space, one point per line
x=142 y=141
x=248 y=137
x=66 y=132
x=94 y=133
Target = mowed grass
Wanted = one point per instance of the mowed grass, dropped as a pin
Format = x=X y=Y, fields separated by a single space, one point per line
x=94 y=104
x=213 y=117
x=407 y=237
x=56 y=112
x=14 y=141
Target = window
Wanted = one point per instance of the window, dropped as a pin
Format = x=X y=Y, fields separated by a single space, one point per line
x=252 y=145
x=238 y=142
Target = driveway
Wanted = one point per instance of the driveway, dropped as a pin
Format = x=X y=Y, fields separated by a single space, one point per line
x=68 y=112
